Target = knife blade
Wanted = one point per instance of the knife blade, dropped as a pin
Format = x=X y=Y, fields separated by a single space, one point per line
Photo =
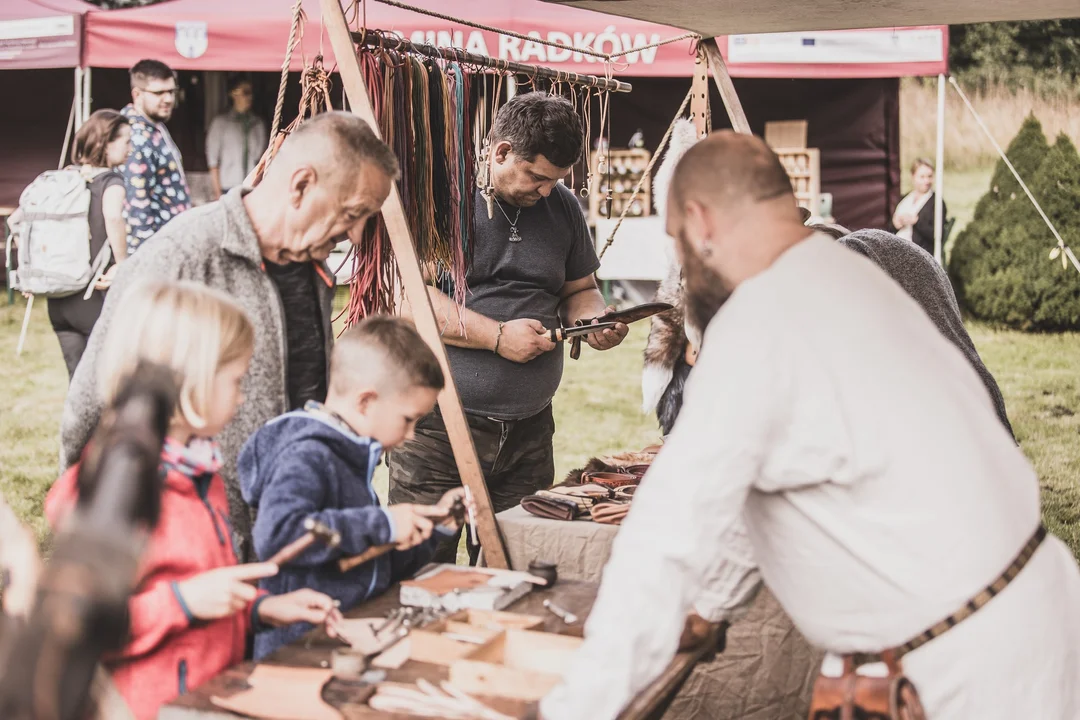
x=564 y=333
x=638 y=312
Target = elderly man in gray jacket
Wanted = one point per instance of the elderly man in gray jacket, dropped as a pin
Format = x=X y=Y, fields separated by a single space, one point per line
x=267 y=249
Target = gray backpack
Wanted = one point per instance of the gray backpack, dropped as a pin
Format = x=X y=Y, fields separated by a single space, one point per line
x=54 y=236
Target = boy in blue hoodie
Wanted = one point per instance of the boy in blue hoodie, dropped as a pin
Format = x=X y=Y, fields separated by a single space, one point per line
x=318 y=463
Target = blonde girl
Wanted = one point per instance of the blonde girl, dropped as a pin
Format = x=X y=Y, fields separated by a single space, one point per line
x=192 y=609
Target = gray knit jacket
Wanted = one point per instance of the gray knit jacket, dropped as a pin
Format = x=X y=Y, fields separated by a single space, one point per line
x=923 y=279
x=216 y=245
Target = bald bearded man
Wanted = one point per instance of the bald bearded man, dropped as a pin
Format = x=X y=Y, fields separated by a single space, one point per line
x=884 y=503
x=267 y=249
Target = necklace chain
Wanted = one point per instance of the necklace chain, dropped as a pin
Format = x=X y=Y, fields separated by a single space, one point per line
x=515 y=236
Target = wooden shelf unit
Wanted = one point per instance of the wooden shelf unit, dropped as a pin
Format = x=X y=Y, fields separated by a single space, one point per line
x=627 y=167
x=803 y=166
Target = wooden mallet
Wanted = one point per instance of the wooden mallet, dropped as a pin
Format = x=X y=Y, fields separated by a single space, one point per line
x=457 y=511
x=315 y=531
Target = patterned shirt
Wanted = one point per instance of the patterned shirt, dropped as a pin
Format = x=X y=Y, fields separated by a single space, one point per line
x=157 y=190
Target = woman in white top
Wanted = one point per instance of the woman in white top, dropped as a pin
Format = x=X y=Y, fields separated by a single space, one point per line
x=914 y=216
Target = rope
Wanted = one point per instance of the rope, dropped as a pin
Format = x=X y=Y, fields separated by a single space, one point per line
x=298 y=12
x=539 y=41
x=661 y=43
x=1062 y=247
x=648 y=173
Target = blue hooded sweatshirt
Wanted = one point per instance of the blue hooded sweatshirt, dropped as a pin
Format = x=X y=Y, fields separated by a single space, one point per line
x=311 y=464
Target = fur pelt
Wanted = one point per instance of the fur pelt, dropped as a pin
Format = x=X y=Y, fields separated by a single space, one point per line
x=665 y=368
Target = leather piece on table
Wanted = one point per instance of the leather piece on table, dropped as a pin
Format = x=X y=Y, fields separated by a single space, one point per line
x=636 y=463
x=282 y=693
x=445 y=581
x=550 y=508
x=612 y=480
x=610 y=513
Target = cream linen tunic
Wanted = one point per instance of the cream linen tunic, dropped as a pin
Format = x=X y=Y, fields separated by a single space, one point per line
x=877 y=499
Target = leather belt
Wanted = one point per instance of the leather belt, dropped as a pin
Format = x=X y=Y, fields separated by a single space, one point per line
x=970 y=608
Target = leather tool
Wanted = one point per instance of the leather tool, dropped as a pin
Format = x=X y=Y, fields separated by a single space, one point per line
x=627 y=316
x=565 y=615
x=457 y=511
x=575 y=332
x=314 y=531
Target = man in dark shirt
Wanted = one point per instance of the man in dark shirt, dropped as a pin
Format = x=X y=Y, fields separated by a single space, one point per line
x=532 y=270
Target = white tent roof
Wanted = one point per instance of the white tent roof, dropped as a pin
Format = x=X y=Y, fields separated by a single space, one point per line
x=729 y=17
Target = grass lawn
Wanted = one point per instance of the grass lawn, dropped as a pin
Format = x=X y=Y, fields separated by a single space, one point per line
x=596 y=410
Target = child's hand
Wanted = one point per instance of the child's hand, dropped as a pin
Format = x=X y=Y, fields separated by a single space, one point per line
x=304 y=605
x=447 y=501
x=219 y=593
x=411 y=524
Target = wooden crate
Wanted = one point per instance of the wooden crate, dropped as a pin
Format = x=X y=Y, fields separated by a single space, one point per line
x=803 y=166
x=517 y=664
x=627 y=167
x=786 y=134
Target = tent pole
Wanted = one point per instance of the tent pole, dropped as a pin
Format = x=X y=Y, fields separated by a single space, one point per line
x=78 y=97
x=86 y=94
x=412 y=277
x=67 y=135
x=726 y=87
x=939 y=220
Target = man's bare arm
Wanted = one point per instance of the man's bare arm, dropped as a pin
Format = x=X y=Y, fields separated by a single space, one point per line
x=478 y=332
x=519 y=340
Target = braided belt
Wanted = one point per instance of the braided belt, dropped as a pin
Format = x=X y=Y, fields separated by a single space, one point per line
x=970 y=607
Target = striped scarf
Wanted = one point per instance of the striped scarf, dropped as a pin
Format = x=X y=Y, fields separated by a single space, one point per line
x=199 y=457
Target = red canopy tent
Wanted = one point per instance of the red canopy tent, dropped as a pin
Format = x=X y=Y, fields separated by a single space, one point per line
x=41 y=33
x=845 y=82
x=251 y=35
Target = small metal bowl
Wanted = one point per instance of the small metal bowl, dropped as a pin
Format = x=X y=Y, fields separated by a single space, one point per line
x=544 y=570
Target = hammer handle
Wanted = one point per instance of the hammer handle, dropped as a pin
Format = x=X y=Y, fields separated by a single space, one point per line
x=291 y=551
x=347 y=564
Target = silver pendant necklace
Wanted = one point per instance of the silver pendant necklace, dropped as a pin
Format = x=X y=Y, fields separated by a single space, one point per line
x=515 y=236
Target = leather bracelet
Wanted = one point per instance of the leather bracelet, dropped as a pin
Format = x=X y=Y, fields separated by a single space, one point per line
x=498 y=337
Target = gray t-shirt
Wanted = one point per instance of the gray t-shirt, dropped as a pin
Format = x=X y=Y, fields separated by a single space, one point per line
x=510 y=281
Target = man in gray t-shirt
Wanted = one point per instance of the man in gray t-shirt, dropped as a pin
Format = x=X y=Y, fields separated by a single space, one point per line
x=532 y=270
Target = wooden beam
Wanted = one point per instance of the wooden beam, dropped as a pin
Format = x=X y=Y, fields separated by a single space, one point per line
x=412 y=278
x=699 y=96
x=726 y=87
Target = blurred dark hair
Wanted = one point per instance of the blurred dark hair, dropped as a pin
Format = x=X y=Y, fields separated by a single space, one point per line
x=538 y=123
x=93 y=138
x=150 y=70
x=237 y=80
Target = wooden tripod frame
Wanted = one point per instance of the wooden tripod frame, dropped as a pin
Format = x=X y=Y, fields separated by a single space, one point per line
x=710 y=58
x=412 y=276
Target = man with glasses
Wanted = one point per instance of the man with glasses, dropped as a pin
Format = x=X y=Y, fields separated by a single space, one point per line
x=236 y=140
x=157 y=189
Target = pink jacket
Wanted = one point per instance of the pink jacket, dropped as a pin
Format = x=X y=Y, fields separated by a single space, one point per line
x=168 y=652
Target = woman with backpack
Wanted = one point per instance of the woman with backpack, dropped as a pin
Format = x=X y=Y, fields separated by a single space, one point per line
x=101 y=144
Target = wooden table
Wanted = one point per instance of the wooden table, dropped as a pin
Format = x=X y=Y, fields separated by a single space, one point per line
x=314 y=650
